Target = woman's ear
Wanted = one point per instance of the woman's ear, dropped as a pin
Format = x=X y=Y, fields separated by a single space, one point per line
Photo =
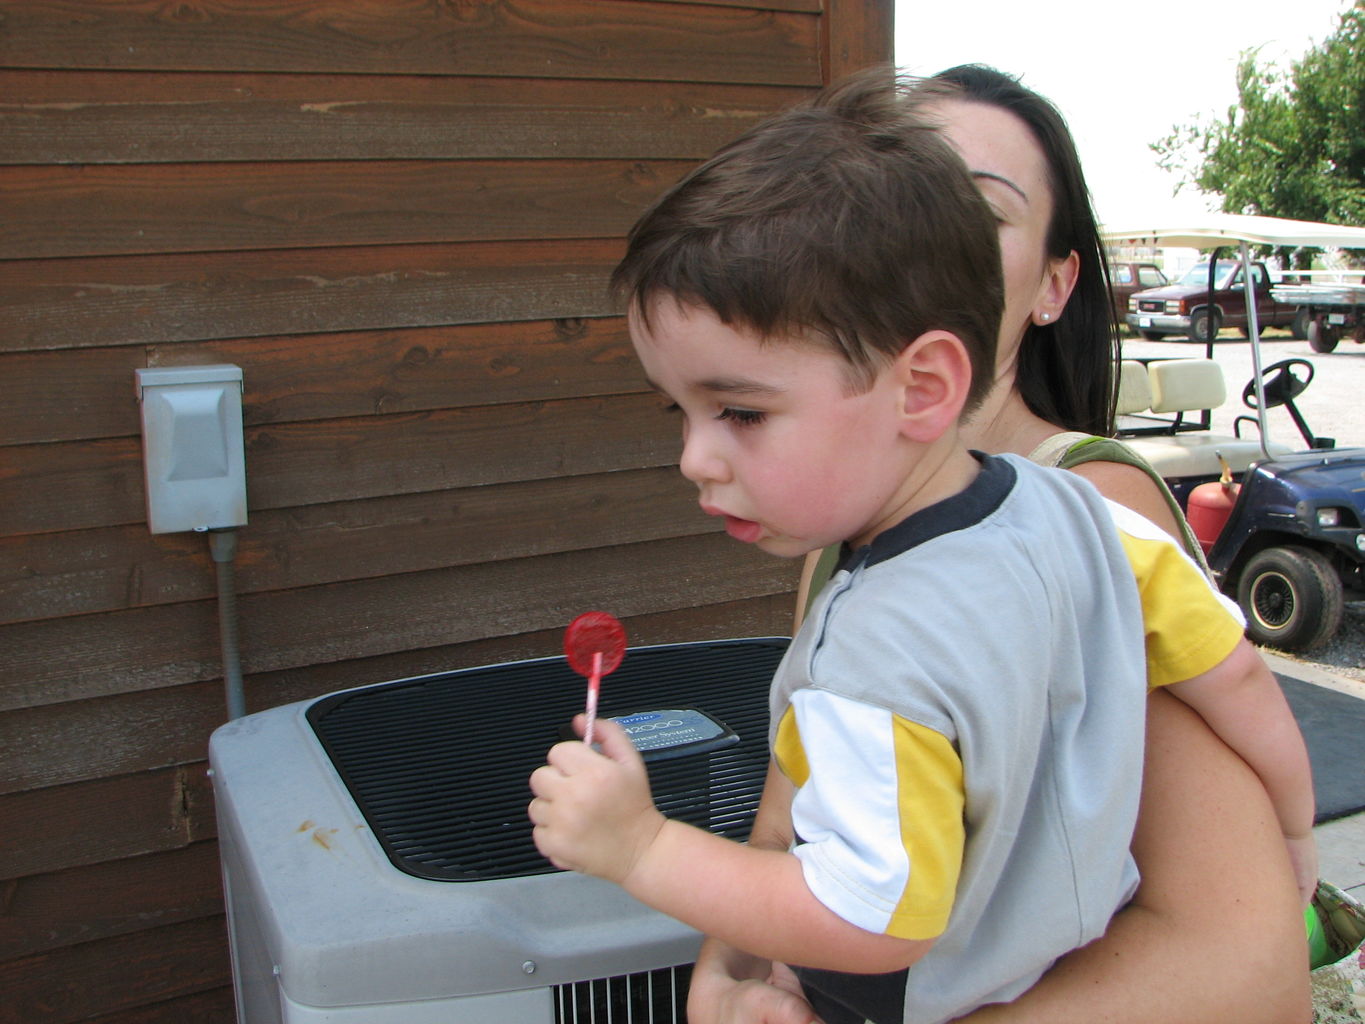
x=1059 y=280
x=933 y=377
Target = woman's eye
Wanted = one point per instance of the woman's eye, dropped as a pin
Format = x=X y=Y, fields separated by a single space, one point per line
x=742 y=417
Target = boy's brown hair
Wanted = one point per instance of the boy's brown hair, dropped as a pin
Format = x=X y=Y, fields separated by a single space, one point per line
x=847 y=218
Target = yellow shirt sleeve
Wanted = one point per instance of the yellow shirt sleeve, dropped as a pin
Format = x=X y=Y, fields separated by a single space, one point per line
x=1189 y=626
x=868 y=780
x=932 y=802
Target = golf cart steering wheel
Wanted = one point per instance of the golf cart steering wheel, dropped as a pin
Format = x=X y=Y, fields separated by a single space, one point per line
x=1282 y=386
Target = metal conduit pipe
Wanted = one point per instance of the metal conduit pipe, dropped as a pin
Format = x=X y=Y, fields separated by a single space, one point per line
x=223 y=547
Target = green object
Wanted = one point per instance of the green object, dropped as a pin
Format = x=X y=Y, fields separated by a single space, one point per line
x=1336 y=925
x=1319 y=955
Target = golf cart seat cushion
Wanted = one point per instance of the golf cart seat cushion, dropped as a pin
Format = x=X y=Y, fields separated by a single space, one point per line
x=1135 y=394
x=1196 y=454
x=1186 y=385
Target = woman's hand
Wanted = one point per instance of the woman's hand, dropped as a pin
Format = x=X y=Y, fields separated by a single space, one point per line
x=730 y=987
x=1303 y=856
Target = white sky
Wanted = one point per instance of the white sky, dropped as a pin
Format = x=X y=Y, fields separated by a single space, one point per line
x=1123 y=75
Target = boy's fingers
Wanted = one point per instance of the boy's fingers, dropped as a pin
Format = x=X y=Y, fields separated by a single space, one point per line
x=533 y=809
x=543 y=778
x=615 y=743
x=609 y=736
x=565 y=755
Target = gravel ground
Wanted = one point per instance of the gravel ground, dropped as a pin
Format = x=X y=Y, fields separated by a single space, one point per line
x=1344 y=654
x=1333 y=405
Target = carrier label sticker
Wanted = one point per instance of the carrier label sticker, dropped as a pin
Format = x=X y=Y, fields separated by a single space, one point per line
x=674 y=732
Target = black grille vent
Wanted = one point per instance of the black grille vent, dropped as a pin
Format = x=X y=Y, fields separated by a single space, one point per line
x=439 y=765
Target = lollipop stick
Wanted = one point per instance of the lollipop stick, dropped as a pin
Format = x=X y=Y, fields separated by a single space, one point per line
x=594 y=684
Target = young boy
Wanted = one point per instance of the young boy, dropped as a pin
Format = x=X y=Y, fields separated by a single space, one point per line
x=958 y=723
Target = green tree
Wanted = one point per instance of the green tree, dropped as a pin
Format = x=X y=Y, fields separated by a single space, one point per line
x=1294 y=143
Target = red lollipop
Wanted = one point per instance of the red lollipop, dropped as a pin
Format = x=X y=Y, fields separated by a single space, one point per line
x=594 y=643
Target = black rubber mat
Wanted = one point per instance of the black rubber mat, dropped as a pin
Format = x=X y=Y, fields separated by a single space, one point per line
x=1333 y=725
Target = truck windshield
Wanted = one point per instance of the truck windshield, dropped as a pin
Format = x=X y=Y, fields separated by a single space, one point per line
x=1199 y=274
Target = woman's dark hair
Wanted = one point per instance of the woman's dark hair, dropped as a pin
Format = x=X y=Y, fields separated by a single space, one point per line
x=847 y=219
x=1067 y=369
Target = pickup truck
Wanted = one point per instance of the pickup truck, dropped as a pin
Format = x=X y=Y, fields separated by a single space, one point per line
x=1183 y=307
x=1126 y=277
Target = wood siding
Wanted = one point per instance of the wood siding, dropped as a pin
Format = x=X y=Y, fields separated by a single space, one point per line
x=398 y=219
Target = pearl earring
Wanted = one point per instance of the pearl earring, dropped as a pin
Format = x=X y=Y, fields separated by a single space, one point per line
x=1045 y=317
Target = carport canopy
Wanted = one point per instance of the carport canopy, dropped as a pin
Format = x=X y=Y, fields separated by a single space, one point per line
x=1212 y=229
x=1244 y=230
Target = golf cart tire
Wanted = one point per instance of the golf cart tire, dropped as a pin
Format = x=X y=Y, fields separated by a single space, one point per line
x=1322 y=337
x=1298 y=329
x=1246 y=331
x=1200 y=327
x=1152 y=335
x=1291 y=597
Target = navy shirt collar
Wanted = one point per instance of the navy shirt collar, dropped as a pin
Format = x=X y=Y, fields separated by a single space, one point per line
x=965 y=508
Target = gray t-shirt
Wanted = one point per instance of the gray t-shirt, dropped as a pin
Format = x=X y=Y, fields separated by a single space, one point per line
x=1006 y=618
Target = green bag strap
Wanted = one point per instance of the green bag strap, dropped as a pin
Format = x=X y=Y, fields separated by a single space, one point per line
x=1109 y=449
x=824 y=569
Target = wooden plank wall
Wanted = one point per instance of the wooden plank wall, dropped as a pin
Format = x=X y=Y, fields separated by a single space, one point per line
x=398 y=220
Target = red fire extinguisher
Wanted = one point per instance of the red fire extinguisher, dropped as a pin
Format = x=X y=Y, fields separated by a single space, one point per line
x=1210 y=505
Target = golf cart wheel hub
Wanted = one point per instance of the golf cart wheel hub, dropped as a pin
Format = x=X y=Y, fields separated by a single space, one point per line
x=1272 y=601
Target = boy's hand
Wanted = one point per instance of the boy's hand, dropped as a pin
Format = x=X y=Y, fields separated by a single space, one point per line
x=1303 y=855
x=592 y=812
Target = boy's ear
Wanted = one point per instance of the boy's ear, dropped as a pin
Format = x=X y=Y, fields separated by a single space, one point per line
x=933 y=376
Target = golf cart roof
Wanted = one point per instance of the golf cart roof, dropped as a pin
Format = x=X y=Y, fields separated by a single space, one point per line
x=1212 y=229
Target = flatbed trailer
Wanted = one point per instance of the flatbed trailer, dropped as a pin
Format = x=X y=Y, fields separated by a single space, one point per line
x=1334 y=311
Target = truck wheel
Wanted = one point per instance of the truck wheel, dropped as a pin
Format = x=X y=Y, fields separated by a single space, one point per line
x=1291 y=597
x=1152 y=335
x=1298 y=327
x=1322 y=337
x=1200 y=327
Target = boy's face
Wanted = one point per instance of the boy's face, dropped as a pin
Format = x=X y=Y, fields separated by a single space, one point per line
x=771 y=436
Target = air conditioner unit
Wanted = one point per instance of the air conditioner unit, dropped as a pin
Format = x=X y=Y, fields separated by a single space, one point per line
x=377 y=860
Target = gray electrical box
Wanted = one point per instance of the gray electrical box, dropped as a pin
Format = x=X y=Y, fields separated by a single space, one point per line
x=192 y=447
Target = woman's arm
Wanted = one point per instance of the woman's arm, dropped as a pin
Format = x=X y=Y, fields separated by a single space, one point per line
x=1242 y=703
x=1215 y=932
x=1130 y=486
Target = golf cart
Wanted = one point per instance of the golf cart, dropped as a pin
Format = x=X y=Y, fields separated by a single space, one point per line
x=1282 y=526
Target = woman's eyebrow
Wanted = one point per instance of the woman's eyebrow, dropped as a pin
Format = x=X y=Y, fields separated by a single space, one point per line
x=1003 y=180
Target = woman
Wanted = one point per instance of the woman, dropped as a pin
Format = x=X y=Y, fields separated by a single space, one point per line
x=1207 y=842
